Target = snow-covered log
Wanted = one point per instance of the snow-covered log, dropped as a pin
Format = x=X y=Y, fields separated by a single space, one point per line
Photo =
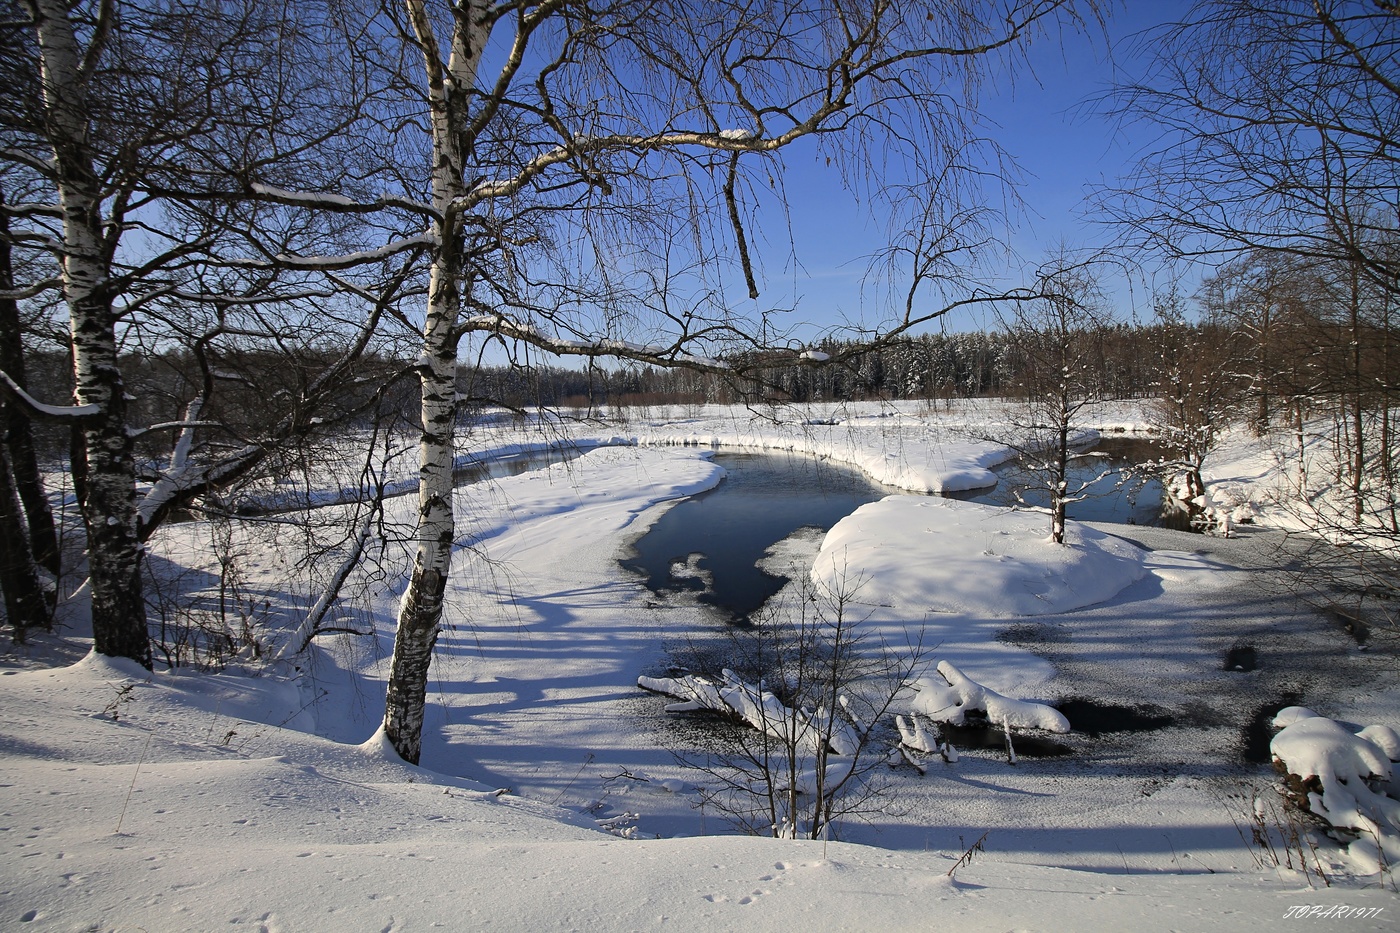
x=759 y=708
x=950 y=701
x=912 y=735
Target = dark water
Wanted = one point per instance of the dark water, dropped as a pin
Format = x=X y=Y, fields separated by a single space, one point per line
x=992 y=738
x=1117 y=492
x=1256 y=735
x=1094 y=718
x=764 y=498
x=478 y=471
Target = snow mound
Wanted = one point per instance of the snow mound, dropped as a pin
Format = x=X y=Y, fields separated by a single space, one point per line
x=1384 y=738
x=939 y=555
x=1340 y=777
x=1291 y=714
x=950 y=702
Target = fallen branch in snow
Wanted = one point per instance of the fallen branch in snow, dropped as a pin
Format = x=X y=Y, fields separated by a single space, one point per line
x=759 y=708
x=950 y=702
x=913 y=737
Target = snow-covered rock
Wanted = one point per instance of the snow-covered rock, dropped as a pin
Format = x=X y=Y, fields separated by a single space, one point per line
x=1339 y=777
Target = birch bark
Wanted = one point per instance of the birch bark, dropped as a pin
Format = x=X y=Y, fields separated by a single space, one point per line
x=109 y=508
x=420 y=612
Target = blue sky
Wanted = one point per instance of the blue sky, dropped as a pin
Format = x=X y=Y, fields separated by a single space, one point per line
x=1062 y=144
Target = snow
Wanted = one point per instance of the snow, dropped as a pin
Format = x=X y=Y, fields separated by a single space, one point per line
x=1291 y=714
x=757 y=707
x=265 y=794
x=892 y=447
x=957 y=694
x=358 y=257
x=940 y=555
x=1350 y=791
x=50 y=411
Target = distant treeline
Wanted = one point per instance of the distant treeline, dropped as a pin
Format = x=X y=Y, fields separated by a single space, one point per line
x=1122 y=359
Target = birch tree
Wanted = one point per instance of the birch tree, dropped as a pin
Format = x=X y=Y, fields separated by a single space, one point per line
x=591 y=169
x=137 y=144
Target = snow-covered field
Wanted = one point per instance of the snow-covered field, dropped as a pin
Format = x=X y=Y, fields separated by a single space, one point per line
x=551 y=797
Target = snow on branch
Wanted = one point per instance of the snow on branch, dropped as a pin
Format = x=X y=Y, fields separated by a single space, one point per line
x=730 y=140
x=342 y=261
x=759 y=708
x=38 y=409
x=32 y=290
x=623 y=349
x=347 y=260
x=950 y=701
x=336 y=202
x=34 y=210
x=184 y=475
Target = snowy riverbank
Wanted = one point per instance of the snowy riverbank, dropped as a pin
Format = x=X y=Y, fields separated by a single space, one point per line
x=259 y=796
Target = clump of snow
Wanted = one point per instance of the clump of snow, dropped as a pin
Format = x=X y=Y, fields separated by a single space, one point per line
x=959 y=694
x=912 y=735
x=1340 y=777
x=1291 y=714
x=941 y=555
x=1384 y=738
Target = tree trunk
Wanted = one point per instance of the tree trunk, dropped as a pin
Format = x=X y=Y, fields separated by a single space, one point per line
x=1357 y=390
x=109 y=508
x=42 y=538
x=27 y=604
x=420 y=613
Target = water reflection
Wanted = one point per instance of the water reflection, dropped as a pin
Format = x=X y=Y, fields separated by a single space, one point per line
x=478 y=471
x=711 y=544
x=1118 y=492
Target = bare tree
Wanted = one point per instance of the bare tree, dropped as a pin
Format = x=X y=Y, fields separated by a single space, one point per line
x=136 y=148
x=1198 y=394
x=809 y=694
x=568 y=174
x=1055 y=338
x=1277 y=123
x=1277 y=119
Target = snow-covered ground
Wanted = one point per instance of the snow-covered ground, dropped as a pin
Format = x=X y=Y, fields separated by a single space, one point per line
x=551 y=796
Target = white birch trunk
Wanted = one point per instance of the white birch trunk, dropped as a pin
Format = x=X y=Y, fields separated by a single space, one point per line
x=420 y=612
x=109 y=508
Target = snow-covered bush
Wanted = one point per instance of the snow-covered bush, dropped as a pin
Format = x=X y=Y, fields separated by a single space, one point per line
x=811 y=691
x=957 y=694
x=951 y=696
x=1344 y=779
